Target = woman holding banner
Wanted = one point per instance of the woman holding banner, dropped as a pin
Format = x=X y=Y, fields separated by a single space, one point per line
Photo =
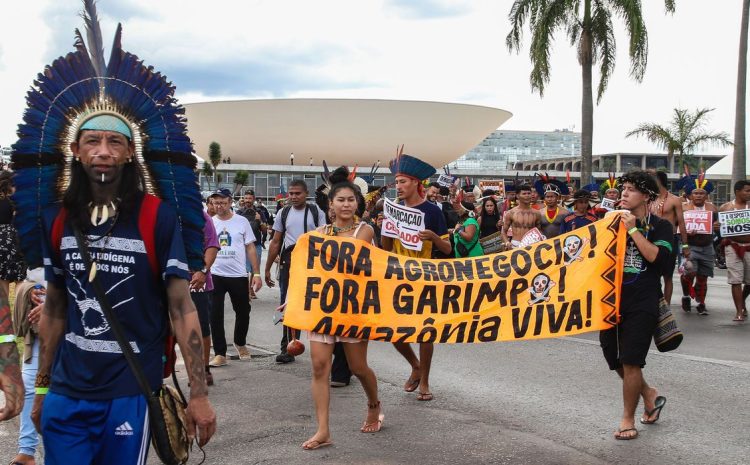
x=344 y=204
x=466 y=233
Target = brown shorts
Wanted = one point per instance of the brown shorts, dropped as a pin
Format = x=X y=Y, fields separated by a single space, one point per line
x=738 y=269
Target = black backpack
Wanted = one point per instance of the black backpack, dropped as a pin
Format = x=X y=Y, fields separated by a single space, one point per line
x=285 y=255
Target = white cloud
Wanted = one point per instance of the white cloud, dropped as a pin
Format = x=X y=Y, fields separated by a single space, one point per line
x=428 y=50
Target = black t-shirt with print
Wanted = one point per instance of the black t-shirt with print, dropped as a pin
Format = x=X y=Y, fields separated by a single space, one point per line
x=641 y=280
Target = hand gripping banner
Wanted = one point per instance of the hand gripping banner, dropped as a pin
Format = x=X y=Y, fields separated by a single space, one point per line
x=559 y=287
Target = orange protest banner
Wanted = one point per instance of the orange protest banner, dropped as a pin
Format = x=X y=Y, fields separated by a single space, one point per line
x=559 y=287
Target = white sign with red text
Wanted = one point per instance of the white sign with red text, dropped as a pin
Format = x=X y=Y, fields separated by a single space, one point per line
x=403 y=223
x=532 y=237
x=699 y=221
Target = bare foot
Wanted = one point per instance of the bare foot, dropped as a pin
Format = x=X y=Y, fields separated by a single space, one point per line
x=648 y=402
x=374 y=419
x=413 y=382
x=627 y=430
x=317 y=441
x=24 y=459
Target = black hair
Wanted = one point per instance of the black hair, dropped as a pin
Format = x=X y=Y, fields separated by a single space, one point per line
x=661 y=176
x=298 y=183
x=444 y=191
x=739 y=185
x=523 y=187
x=249 y=192
x=484 y=211
x=78 y=195
x=434 y=184
x=642 y=181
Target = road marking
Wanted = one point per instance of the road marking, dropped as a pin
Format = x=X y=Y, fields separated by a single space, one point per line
x=693 y=358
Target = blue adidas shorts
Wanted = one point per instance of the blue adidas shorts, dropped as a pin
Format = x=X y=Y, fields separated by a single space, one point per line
x=113 y=432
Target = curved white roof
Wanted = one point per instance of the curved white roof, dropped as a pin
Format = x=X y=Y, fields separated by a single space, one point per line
x=339 y=131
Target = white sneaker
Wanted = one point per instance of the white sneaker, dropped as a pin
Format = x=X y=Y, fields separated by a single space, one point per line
x=218 y=361
x=243 y=352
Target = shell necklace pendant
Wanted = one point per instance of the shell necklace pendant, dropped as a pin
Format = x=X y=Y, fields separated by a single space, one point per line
x=100 y=214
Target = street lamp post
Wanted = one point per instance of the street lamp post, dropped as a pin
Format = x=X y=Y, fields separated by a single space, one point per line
x=291 y=158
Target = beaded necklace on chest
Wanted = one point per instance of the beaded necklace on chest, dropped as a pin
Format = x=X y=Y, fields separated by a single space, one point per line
x=104 y=238
x=552 y=218
x=335 y=230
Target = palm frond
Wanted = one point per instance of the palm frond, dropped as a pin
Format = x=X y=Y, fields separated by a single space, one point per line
x=631 y=13
x=519 y=12
x=554 y=16
x=605 y=49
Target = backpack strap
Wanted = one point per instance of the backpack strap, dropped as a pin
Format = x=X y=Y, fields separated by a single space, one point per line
x=58 y=226
x=146 y=226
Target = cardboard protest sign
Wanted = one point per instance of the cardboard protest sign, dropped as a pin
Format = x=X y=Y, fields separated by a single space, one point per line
x=492 y=243
x=497 y=185
x=563 y=286
x=734 y=223
x=608 y=204
x=403 y=223
x=531 y=237
x=446 y=180
x=699 y=221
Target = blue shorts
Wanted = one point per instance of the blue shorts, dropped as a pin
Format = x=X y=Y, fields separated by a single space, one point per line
x=113 y=431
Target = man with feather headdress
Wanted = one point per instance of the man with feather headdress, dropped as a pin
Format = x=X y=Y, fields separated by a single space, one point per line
x=109 y=198
x=700 y=264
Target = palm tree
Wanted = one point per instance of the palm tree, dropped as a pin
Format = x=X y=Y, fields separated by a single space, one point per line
x=214 y=154
x=208 y=171
x=685 y=133
x=588 y=26
x=240 y=179
x=739 y=160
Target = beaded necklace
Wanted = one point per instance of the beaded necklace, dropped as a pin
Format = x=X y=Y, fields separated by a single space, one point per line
x=335 y=231
x=551 y=219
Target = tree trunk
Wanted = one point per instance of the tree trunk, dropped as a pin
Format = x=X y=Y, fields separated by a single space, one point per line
x=587 y=101
x=739 y=154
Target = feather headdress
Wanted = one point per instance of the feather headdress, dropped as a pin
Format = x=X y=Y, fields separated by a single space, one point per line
x=79 y=86
x=410 y=166
x=545 y=183
x=690 y=182
x=609 y=184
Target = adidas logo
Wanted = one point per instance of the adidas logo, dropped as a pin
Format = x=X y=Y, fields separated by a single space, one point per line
x=124 y=430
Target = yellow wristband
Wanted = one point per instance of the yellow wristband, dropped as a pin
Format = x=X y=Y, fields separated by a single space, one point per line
x=7 y=338
x=41 y=391
x=632 y=230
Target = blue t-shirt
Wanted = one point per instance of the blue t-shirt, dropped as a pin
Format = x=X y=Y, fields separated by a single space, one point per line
x=89 y=363
x=574 y=221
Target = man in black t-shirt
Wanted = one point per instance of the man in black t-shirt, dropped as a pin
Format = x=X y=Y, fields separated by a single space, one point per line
x=625 y=346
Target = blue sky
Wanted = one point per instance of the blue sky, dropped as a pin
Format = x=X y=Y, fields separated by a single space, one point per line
x=450 y=51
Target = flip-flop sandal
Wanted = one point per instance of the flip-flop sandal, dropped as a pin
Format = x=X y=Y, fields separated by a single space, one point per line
x=659 y=403
x=425 y=396
x=378 y=425
x=739 y=318
x=411 y=385
x=312 y=445
x=626 y=438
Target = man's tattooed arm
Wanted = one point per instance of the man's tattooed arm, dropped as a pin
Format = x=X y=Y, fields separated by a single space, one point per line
x=188 y=333
x=10 y=372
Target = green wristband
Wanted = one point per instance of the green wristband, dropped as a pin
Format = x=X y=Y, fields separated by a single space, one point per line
x=632 y=230
x=7 y=338
x=41 y=391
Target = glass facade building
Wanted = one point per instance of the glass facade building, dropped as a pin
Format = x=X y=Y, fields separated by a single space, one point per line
x=502 y=149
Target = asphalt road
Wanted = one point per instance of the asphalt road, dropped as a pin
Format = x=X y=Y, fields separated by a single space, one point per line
x=537 y=402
